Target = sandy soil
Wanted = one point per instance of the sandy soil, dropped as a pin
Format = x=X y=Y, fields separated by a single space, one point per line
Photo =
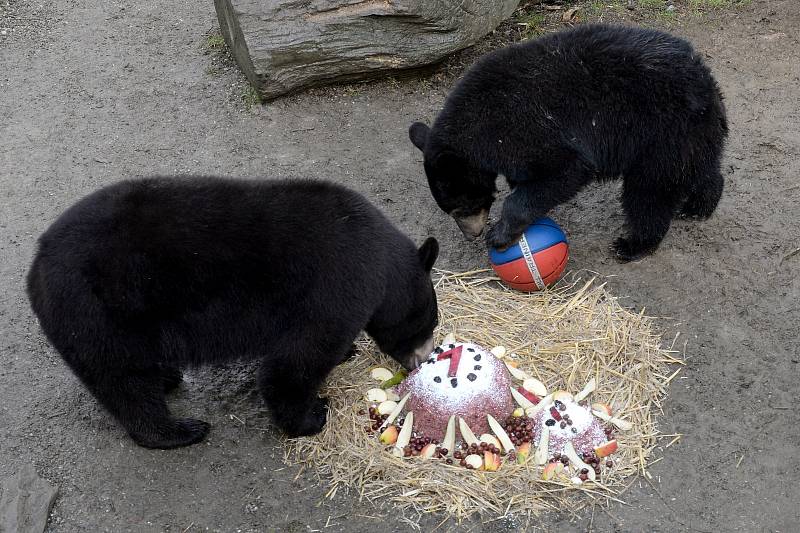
x=94 y=92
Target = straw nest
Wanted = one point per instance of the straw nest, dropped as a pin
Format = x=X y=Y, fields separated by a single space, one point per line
x=562 y=336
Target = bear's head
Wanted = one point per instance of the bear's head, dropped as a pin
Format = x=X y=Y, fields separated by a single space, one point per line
x=403 y=325
x=462 y=191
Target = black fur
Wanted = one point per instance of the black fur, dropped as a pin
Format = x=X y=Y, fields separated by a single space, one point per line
x=143 y=278
x=592 y=102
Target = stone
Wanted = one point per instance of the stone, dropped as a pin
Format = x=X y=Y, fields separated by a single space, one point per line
x=25 y=502
x=285 y=46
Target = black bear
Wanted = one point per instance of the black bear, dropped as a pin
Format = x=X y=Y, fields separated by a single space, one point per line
x=143 y=278
x=592 y=102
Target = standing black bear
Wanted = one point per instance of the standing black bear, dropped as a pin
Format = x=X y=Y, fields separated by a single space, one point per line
x=589 y=103
x=143 y=278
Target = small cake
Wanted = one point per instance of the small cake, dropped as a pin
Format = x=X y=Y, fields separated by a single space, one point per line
x=461 y=379
x=569 y=422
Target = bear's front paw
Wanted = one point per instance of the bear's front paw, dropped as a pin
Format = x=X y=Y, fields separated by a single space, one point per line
x=501 y=236
x=628 y=250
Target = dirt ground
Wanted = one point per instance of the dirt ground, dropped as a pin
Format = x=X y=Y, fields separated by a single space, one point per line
x=94 y=92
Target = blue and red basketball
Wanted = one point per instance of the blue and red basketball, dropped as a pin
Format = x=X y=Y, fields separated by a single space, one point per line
x=536 y=261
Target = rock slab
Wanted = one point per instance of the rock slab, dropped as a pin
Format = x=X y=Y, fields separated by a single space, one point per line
x=25 y=502
x=287 y=45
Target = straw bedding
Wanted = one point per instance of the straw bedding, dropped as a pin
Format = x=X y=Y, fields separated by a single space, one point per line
x=563 y=337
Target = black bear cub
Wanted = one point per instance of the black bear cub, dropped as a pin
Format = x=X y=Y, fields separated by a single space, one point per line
x=588 y=103
x=144 y=278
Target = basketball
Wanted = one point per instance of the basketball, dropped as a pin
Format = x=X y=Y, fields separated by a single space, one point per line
x=536 y=261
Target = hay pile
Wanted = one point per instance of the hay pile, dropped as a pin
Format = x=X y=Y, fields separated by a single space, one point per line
x=563 y=337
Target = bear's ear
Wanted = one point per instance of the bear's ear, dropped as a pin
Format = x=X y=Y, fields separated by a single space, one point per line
x=428 y=253
x=418 y=133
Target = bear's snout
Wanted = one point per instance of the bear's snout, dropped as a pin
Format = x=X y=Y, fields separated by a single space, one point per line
x=472 y=226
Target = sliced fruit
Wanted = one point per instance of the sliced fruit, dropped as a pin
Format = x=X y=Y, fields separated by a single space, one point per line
x=450 y=338
x=576 y=462
x=576 y=480
x=405 y=433
x=535 y=386
x=491 y=461
x=516 y=372
x=603 y=408
x=531 y=397
x=551 y=470
x=474 y=461
x=501 y=433
x=488 y=438
x=542 y=450
x=624 y=425
x=587 y=390
x=547 y=401
x=396 y=379
x=376 y=395
x=389 y=435
x=427 y=451
x=562 y=396
x=498 y=351
x=523 y=451
x=518 y=412
x=381 y=374
x=392 y=395
x=397 y=410
x=606 y=449
x=455 y=358
x=466 y=433
x=449 y=440
x=384 y=408
x=521 y=399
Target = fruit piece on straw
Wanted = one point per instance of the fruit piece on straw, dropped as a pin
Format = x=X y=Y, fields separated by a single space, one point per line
x=491 y=461
x=606 y=449
x=380 y=374
x=587 y=390
x=535 y=386
x=427 y=451
x=531 y=397
x=562 y=396
x=376 y=395
x=474 y=461
x=523 y=451
x=624 y=425
x=397 y=410
x=542 y=450
x=389 y=435
x=551 y=470
x=449 y=440
x=498 y=351
x=396 y=379
x=469 y=436
x=501 y=433
x=405 y=433
x=392 y=395
x=577 y=462
x=521 y=400
x=450 y=338
x=603 y=408
x=384 y=408
x=516 y=372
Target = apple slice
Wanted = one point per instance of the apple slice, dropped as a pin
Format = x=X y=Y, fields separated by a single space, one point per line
x=427 y=451
x=516 y=372
x=381 y=374
x=603 y=408
x=552 y=470
x=392 y=395
x=562 y=396
x=501 y=433
x=384 y=408
x=624 y=425
x=397 y=410
x=606 y=449
x=587 y=390
x=389 y=435
x=518 y=412
x=450 y=338
x=576 y=462
x=376 y=395
x=469 y=436
x=534 y=386
x=474 y=461
x=488 y=438
x=521 y=399
x=542 y=450
x=405 y=433
x=498 y=351
x=523 y=451
x=449 y=440
x=547 y=401
x=491 y=461
x=531 y=397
